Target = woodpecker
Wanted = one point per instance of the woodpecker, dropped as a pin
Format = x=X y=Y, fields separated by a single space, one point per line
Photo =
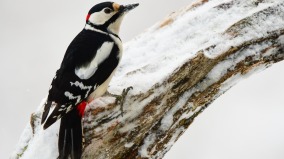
x=88 y=65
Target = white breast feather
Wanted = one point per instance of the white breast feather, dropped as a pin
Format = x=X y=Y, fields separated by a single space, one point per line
x=89 y=70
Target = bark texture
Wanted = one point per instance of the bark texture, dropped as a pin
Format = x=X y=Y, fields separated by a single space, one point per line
x=154 y=119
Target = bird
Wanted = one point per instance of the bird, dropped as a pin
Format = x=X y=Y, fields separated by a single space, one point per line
x=88 y=65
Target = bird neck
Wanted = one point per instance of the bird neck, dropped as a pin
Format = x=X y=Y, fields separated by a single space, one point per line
x=99 y=28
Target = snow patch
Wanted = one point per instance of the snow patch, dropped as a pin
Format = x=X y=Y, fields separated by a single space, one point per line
x=167 y=120
x=148 y=141
x=45 y=144
x=128 y=145
x=238 y=77
x=42 y=144
x=127 y=127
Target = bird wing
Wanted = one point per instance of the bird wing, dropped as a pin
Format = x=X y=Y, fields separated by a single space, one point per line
x=87 y=64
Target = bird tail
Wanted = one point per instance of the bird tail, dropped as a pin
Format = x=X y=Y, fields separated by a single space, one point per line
x=47 y=106
x=70 y=136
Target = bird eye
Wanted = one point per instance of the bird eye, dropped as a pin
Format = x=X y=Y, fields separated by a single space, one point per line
x=107 y=10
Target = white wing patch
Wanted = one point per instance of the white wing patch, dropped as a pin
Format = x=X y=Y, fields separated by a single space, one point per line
x=102 y=53
x=82 y=86
x=69 y=108
x=71 y=97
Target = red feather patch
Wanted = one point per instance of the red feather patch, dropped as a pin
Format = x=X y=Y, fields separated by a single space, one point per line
x=88 y=16
x=81 y=108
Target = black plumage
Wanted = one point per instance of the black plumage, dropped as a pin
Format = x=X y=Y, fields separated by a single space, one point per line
x=86 y=69
x=79 y=53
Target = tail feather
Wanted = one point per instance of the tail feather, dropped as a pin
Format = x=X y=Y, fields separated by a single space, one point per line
x=56 y=114
x=70 y=136
x=47 y=106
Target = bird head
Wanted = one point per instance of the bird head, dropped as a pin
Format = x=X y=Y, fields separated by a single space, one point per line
x=107 y=16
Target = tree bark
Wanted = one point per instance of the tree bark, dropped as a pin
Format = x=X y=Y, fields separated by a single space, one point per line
x=153 y=120
x=216 y=44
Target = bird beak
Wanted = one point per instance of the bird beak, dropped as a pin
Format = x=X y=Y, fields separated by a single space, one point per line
x=129 y=7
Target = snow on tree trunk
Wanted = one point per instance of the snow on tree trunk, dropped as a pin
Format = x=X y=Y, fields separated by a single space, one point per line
x=176 y=68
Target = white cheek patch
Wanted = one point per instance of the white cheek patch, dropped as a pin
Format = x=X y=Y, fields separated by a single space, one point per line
x=102 y=53
x=99 y=18
x=115 y=26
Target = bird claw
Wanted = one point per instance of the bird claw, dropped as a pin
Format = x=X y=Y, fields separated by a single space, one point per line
x=121 y=98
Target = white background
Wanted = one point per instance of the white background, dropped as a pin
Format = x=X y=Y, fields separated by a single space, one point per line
x=247 y=122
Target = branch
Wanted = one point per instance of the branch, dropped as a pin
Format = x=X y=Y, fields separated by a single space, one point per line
x=156 y=117
x=177 y=68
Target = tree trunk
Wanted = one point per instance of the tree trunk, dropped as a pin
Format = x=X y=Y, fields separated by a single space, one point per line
x=177 y=68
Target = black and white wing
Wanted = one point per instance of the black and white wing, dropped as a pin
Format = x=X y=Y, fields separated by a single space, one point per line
x=87 y=63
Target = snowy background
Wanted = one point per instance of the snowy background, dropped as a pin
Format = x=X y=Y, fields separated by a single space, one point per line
x=246 y=122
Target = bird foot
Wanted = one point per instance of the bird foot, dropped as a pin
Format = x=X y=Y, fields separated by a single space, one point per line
x=121 y=98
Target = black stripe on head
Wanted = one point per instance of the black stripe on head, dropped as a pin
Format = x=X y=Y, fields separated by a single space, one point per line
x=113 y=18
x=104 y=26
x=99 y=7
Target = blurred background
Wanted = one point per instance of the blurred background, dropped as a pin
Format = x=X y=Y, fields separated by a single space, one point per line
x=246 y=122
